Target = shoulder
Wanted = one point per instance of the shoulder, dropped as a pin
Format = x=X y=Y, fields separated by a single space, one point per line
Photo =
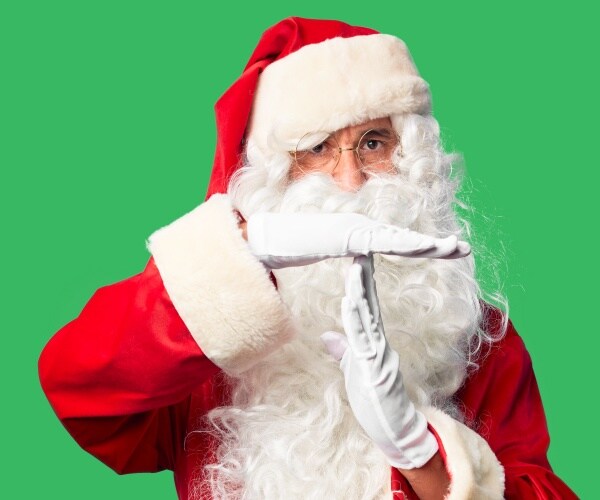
x=505 y=340
x=502 y=369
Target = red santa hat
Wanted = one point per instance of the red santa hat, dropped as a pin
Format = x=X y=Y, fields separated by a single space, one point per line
x=309 y=75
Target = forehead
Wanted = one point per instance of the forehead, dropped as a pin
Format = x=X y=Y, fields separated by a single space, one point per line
x=377 y=123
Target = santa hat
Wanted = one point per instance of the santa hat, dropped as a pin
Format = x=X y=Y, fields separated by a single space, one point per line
x=309 y=75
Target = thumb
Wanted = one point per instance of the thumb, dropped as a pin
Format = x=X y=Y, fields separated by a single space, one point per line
x=335 y=343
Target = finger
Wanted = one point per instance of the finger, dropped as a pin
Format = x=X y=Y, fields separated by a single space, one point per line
x=366 y=264
x=368 y=284
x=376 y=330
x=448 y=248
x=335 y=343
x=407 y=242
x=462 y=250
x=355 y=290
x=357 y=293
x=354 y=282
x=445 y=246
x=358 y=339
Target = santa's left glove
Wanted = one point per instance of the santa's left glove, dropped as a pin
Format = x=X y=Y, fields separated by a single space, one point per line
x=376 y=392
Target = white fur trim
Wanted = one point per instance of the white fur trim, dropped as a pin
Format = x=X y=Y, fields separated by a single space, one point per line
x=475 y=471
x=221 y=291
x=333 y=84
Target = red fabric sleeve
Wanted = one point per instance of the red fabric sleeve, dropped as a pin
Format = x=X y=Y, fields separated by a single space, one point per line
x=502 y=403
x=120 y=376
x=401 y=488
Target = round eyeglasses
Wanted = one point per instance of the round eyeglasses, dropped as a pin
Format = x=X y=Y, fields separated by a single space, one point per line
x=374 y=152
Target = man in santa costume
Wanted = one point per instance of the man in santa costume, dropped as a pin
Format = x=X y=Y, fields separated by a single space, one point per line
x=255 y=356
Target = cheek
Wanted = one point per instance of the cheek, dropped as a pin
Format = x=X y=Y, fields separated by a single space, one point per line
x=295 y=172
x=386 y=168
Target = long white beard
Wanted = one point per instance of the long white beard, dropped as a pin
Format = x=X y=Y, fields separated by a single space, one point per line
x=289 y=432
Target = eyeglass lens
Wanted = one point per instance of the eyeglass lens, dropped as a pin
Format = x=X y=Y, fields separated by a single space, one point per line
x=374 y=151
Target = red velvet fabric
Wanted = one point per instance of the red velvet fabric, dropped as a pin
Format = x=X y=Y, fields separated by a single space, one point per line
x=129 y=383
x=233 y=108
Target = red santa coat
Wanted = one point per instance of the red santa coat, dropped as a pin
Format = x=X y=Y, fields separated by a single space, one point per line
x=133 y=375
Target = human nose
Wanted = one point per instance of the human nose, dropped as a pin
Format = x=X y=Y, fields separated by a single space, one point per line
x=348 y=173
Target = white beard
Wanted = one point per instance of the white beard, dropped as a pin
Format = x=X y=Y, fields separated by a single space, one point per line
x=289 y=432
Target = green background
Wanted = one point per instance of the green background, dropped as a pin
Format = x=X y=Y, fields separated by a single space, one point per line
x=108 y=134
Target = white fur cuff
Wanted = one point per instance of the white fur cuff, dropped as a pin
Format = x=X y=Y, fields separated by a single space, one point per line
x=221 y=291
x=475 y=472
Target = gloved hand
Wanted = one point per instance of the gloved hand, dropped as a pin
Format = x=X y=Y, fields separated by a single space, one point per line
x=372 y=377
x=297 y=239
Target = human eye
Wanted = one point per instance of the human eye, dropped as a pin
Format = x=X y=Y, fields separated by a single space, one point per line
x=376 y=140
x=311 y=155
x=324 y=148
x=318 y=149
x=373 y=144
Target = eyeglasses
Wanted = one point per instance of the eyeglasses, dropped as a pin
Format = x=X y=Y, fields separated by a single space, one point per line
x=374 y=151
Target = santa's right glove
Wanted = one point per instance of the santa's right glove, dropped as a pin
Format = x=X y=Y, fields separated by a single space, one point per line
x=297 y=239
x=372 y=375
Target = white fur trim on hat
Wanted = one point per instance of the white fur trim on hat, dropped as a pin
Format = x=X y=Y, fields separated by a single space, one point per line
x=330 y=85
x=221 y=291
x=475 y=472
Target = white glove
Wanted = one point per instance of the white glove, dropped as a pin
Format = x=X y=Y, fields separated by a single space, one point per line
x=297 y=239
x=372 y=377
